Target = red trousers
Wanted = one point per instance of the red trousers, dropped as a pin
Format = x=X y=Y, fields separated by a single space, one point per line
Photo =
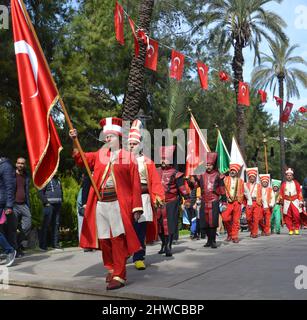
x=231 y=217
x=114 y=255
x=292 y=218
x=252 y=216
x=265 y=220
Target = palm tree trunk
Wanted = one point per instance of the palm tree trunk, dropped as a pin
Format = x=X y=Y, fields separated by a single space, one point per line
x=237 y=67
x=135 y=92
x=281 y=129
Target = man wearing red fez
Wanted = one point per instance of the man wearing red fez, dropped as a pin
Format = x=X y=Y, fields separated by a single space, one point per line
x=174 y=188
x=108 y=224
x=235 y=193
x=253 y=213
x=268 y=202
x=152 y=194
x=292 y=199
x=212 y=190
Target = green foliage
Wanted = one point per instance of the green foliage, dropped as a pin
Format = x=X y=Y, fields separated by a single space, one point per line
x=69 y=206
x=36 y=207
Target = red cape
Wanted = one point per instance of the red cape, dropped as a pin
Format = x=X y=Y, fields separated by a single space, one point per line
x=128 y=189
x=155 y=188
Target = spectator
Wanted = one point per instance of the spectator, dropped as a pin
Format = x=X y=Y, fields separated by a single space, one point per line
x=7 y=190
x=52 y=198
x=81 y=202
x=22 y=203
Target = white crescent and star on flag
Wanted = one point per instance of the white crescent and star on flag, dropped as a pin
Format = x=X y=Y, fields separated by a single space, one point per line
x=243 y=89
x=150 y=51
x=22 y=47
x=176 y=64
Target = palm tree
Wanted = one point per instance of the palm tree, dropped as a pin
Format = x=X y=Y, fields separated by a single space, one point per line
x=135 y=91
x=279 y=69
x=240 y=24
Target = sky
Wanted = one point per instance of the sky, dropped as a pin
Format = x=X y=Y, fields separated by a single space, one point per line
x=294 y=13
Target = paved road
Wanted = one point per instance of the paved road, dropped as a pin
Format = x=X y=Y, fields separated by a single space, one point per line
x=260 y=268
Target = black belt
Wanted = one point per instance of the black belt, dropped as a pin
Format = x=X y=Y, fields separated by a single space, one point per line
x=144 y=188
x=109 y=195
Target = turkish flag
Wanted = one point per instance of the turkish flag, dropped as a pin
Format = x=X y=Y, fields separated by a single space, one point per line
x=197 y=148
x=278 y=100
x=38 y=96
x=119 y=23
x=302 y=109
x=151 y=59
x=177 y=65
x=263 y=96
x=286 y=113
x=243 y=94
x=136 y=42
x=224 y=76
x=202 y=70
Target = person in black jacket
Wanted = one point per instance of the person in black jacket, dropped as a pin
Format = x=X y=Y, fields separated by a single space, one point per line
x=22 y=203
x=7 y=197
x=52 y=198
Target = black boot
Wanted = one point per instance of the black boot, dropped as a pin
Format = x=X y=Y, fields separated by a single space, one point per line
x=162 y=237
x=168 y=249
x=213 y=238
x=209 y=241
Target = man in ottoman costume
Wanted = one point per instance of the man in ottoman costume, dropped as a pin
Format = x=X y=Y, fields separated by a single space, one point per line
x=268 y=202
x=292 y=200
x=276 y=217
x=254 y=212
x=235 y=193
x=212 y=190
x=152 y=194
x=108 y=224
x=174 y=188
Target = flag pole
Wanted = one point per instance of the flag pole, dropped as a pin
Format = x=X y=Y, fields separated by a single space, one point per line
x=265 y=155
x=76 y=140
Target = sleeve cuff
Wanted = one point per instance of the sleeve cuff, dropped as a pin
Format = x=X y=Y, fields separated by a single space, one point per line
x=137 y=209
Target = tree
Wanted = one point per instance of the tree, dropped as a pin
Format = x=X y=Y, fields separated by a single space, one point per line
x=135 y=88
x=240 y=24
x=278 y=69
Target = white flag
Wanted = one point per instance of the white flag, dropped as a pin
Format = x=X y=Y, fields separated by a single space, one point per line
x=236 y=155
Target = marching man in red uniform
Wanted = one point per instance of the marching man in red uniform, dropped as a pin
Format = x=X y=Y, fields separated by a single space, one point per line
x=235 y=192
x=212 y=190
x=253 y=213
x=173 y=184
x=268 y=202
x=108 y=224
x=152 y=194
x=292 y=198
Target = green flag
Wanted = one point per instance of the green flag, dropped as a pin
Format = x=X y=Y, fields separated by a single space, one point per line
x=223 y=158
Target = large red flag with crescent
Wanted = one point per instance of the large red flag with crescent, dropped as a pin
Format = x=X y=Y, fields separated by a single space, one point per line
x=243 y=94
x=177 y=64
x=38 y=96
x=151 y=59
x=119 y=23
x=202 y=70
x=197 y=148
